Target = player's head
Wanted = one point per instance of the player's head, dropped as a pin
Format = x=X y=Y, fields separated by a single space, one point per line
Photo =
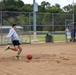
x=14 y=26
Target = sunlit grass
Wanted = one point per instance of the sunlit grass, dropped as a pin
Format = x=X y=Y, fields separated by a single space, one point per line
x=41 y=38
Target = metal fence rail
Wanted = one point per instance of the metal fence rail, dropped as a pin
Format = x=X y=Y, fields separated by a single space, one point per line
x=53 y=22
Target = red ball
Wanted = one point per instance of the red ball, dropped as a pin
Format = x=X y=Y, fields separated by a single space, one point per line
x=29 y=56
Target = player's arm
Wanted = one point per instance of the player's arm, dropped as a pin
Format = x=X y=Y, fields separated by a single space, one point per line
x=11 y=32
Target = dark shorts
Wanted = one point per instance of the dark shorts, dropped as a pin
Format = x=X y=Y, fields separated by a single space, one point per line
x=16 y=42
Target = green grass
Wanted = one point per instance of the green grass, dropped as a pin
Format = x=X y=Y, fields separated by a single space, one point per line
x=42 y=37
x=59 y=37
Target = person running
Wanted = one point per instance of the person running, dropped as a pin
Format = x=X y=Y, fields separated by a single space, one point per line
x=15 y=41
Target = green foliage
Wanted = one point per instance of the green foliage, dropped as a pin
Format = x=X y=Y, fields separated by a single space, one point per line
x=41 y=9
x=27 y=8
x=12 y=5
x=19 y=19
x=10 y=21
x=47 y=19
x=68 y=8
x=45 y=7
x=45 y=4
x=2 y=6
x=54 y=9
x=18 y=5
x=22 y=19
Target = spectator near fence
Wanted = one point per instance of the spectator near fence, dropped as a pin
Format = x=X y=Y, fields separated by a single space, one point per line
x=73 y=34
x=68 y=34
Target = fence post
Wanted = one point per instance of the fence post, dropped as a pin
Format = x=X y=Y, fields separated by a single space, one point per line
x=1 y=27
x=53 y=24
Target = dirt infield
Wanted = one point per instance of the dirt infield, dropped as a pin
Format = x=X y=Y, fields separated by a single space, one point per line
x=48 y=59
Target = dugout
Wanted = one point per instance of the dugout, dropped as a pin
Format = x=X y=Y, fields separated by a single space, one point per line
x=4 y=31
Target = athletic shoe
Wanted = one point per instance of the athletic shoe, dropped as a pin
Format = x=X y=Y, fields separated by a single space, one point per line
x=7 y=48
x=17 y=57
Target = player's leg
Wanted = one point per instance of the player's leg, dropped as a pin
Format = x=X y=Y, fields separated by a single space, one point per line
x=19 y=50
x=7 y=48
x=17 y=47
x=18 y=53
x=14 y=49
x=15 y=44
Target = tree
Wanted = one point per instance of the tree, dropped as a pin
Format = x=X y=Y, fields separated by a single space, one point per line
x=2 y=6
x=68 y=8
x=13 y=5
x=27 y=8
x=75 y=12
x=54 y=9
x=45 y=4
x=22 y=19
x=41 y=9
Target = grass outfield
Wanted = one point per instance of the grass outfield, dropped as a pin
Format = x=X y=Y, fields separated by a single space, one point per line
x=55 y=38
x=41 y=38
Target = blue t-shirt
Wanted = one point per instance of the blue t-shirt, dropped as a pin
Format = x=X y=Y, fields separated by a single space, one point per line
x=73 y=32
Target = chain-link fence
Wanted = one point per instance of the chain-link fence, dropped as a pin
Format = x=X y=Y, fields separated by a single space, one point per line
x=53 y=22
